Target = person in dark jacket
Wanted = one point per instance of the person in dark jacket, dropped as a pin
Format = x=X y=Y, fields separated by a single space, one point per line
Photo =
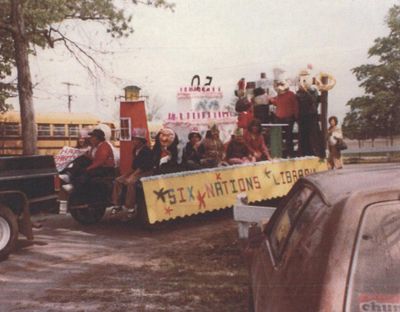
x=311 y=140
x=191 y=154
x=165 y=151
x=142 y=166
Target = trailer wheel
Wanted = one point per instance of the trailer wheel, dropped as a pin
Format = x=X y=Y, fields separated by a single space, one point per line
x=90 y=215
x=8 y=231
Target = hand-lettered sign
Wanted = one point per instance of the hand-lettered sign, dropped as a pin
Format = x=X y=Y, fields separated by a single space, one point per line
x=188 y=193
x=66 y=156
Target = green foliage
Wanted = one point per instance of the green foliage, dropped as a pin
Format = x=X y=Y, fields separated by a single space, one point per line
x=378 y=113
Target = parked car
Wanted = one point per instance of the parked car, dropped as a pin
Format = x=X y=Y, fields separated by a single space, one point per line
x=333 y=244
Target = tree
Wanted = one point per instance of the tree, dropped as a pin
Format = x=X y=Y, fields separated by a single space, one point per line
x=30 y=23
x=378 y=112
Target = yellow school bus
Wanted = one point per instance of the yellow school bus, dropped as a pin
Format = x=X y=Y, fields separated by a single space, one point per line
x=55 y=130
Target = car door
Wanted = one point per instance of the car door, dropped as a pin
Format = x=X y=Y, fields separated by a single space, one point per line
x=374 y=281
x=266 y=269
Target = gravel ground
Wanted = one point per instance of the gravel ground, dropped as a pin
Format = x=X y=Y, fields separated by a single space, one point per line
x=193 y=264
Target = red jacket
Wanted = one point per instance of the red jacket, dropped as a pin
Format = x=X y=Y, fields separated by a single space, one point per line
x=287 y=105
x=103 y=157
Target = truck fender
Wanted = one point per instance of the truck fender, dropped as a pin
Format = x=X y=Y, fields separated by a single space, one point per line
x=18 y=203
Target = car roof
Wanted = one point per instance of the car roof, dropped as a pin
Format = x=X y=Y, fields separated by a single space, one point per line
x=335 y=185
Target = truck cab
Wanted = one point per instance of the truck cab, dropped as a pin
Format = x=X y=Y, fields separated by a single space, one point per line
x=26 y=184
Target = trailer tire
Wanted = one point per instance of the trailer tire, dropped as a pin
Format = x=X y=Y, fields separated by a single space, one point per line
x=8 y=231
x=87 y=216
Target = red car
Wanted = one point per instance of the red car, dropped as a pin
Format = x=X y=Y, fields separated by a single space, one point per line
x=332 y=245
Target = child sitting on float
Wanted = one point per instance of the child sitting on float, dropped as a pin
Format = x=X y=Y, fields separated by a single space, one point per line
x=256 y=142
x=237 y=151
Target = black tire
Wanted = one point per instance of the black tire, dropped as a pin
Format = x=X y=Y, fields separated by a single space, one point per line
x=8 y=231
x=90 y=215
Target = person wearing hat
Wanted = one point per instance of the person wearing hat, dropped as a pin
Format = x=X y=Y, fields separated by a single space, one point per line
x=142 y=166
x=212 y=149
x=191 y=155
x=237 y=151
x=311 y=140
x=101 y=154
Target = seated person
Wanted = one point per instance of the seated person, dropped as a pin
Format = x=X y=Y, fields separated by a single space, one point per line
x=256 y=142
x=191 y=154
x=211 y=149
x=142 y=166
x=165 y=151
x=237 y=151
x=97 y=162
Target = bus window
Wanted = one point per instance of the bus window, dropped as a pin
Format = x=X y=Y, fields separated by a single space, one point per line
x=73 y=131
x=11 y=129
x=58 y=130
x=44 y=130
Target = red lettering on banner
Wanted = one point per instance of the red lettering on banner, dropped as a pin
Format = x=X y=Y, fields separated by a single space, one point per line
x=200 y=198
x=168 y=210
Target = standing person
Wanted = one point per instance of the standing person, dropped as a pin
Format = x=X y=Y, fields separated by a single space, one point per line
x=212 y=149
x=237 y=151
x=334 y=134
x=287 y=112
x=191 y=155
x=311 y=140
x=256 y=142
x=142 y=166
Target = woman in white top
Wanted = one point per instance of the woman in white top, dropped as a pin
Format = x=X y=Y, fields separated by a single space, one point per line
x=334 y=133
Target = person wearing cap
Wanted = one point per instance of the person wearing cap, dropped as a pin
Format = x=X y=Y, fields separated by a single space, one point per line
x=142 y=166
x=191 y=155
x=237 y=152
x=101 y=154
x=212 y=149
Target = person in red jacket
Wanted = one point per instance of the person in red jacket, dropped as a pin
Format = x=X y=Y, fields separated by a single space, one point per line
x=101 y=154
x=287 y=112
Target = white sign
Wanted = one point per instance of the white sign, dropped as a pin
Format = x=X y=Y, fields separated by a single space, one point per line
x=66 y=156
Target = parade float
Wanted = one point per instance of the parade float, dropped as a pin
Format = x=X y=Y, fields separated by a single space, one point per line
x=168 y=196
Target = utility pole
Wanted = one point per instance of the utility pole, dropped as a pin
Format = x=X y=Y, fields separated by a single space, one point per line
x=69 y=84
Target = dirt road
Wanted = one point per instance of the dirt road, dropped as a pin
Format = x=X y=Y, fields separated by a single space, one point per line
x=190 y=265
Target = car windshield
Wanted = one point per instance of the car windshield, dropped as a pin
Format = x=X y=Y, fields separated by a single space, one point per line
x=375 y=274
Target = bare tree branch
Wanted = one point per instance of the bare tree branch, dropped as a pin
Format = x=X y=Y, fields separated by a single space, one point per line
x=73 y=48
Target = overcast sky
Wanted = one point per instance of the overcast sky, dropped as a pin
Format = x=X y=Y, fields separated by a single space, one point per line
x=225 y=39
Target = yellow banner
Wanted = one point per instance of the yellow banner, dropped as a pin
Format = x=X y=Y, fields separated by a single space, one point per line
x=192 y=192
